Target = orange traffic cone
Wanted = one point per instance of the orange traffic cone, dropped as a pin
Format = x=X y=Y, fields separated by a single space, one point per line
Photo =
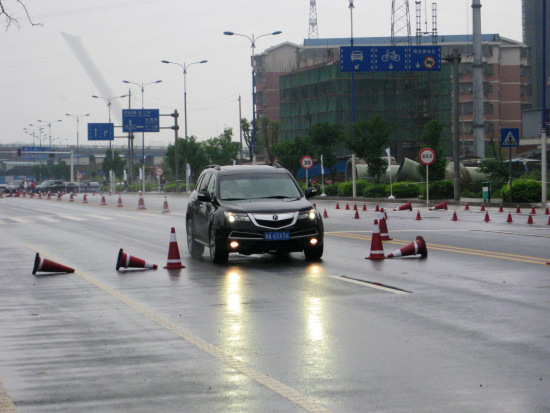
x=119 y=203
x=49 y=195
x=509 y=219
x=482 y=208
x=384 y=235
x=518 y=210
x=165 y=209
x=500 y=209
x=39 y=195
x=377 y=209
x=44 y=265
x=356 y=214
x=84 y=199
x=141 y=202
x=103 y=202
x=403 y=207
x=454 y=218
x=365 y=207
x=414 y=248
x=71 y=199
x=59 y=196
x=548 y=220
x=418 y=217
x=467 y=207
x=347 y=206
x=547 y=212
x=530 y=219
x=376 y=246
x=487 y=217
x=325 y=215
x=337 y=205
x=442 y=205
x=533 y=210
x=174 y=260
x=128 y=261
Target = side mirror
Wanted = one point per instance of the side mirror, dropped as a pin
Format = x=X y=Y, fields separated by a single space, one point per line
x=310 y=192
x=204 y=196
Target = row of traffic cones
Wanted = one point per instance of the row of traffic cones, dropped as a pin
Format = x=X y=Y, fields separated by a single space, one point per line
x=124 y=260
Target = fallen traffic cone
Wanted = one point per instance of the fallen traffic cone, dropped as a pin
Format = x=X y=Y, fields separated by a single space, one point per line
x=103 y=202
x=384 y=235
x=377 y=209
x=71 y=198
x=347 y=206
x=119 y=203
x=487 y=217
x=442 y=205
x=84 y=199
x=500 y=209
x=518 y=210
x=141 y=202
x=44 y=265
x=530 y=219
x=509 y=219
x=418 y=217
x=454 y=218
x=467 y=207
x=174 y=260
x=403 y=207
x=482 y=208
x=365 y=207
x=533 y=210
x=325 y=215
x=337 y=205
x=128 y=261
x=414 y=248
x=376 y=246
x=356 y=214
x=165 y=209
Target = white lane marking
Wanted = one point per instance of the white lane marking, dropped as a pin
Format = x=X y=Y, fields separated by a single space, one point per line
x=369 y=284
x=47 y=219
x=152 y=215
x=127 y=216
x=70 y=217
x=99 y=217
x=19 y=220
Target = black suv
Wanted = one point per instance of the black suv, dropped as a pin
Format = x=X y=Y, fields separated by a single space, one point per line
x=252 y=209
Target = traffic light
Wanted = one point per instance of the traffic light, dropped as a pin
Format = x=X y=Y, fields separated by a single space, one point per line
x=18 y=151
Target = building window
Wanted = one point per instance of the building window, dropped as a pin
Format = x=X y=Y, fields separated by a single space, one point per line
x=465 y=68
x=525 y=71
x=487 y=107
x=466 y=107
x=488 y=69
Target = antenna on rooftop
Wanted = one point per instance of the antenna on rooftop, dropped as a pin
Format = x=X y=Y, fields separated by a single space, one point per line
x=419 y=32
x=400 y=22
x=313 y=30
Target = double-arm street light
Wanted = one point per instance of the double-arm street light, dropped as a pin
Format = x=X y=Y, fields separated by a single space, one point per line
x=77 y=117
x=253 y=46
x=49 y=123
x=184 y=68
x=109 y=101
x=142 y=87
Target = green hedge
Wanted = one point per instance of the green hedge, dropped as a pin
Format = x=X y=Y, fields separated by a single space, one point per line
x=523 y=190
x=439 y=190
x=406 y=190
x=376 y=191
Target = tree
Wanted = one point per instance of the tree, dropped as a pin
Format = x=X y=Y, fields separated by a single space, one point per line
x=289 y=152
x=431 y=136
x=325 y=138
x=114 y=163
x=246 y=128
x=189 y=152
x=268 y=133
x=220 y=150
x=10 y=16
x=368 y=139
x=496 y=170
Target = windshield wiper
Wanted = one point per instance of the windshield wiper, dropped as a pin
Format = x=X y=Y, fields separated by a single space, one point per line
x=233 y=199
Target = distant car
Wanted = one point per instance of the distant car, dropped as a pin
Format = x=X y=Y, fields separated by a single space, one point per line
x=70 y=187
x=14 y=185
x=51 y=185
x=89 y=186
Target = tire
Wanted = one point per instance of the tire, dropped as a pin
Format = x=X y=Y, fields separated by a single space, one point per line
x=314 y=253
x=195 y=249
x=218 y=252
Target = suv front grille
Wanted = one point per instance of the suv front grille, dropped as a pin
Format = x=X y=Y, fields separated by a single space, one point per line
x=274 y=224
x=274 y=220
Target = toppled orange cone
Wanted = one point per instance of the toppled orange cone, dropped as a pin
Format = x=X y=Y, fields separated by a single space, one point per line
x=174 y=260
x=45 y=265
x=129 y=261
x=442 y=205
x=403 y=207
x=417 y=247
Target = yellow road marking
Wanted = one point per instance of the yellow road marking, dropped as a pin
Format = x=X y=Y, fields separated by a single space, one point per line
x=449 y=248
x=292 y=395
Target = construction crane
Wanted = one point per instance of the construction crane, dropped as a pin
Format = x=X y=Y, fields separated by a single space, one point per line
x=313 y=30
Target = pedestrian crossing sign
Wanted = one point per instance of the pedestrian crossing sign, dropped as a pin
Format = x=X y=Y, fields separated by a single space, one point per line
x=509 y=137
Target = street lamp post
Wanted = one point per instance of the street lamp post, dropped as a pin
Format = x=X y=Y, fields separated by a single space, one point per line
x=142 y=87
x=184 y=68
x=77 y=117
x=49 y=123
x=253 y=46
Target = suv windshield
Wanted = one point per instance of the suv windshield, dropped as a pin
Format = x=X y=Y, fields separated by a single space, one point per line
x=259 y=186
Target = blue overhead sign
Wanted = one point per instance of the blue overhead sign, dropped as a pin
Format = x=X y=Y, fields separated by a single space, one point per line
x=509 y=137
x=140 y=120
x=390 y=58
x=101 y=131
x=32 y=153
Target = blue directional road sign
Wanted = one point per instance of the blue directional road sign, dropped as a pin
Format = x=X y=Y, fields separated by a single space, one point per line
x=30 y=153
x=101 y=131
x=140 y=120
x=509 y=137
x=390 y=58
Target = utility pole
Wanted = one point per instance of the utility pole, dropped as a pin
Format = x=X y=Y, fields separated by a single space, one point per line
x=479 y=125
x=455 y=59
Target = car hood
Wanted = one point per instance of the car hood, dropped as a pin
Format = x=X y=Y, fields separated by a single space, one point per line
x=268 y=205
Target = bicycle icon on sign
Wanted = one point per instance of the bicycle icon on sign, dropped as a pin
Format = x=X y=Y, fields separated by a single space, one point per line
x=391 y=56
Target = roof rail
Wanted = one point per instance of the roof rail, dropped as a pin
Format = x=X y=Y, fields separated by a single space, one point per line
x=217 y=167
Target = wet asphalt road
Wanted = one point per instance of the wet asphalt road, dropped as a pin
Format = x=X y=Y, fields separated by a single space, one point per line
x=465 y=330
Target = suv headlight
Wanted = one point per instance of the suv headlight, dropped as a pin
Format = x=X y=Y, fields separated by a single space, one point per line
x=236 y=216
x=311 y=214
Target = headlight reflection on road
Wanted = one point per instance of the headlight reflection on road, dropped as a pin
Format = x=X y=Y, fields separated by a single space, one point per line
x=314 y=321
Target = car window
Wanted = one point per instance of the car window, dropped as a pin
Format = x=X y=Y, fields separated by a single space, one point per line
x=238 y=187
x=203 y=184
x=212 y=187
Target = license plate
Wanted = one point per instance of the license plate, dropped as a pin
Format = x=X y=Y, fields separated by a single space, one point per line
x=277 y=236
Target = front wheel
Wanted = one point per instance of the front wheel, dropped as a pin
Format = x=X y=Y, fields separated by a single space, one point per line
x=218 y=252
x=314 y=253
x=195 y=249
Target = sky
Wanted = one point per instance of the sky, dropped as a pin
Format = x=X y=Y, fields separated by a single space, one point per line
x=41 y=78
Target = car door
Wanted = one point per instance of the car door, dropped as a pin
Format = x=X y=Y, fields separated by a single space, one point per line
x=197 y=208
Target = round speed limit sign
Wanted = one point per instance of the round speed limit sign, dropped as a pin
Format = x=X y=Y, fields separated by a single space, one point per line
x=426 y=156
x=159 y=171
x=306 y=162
